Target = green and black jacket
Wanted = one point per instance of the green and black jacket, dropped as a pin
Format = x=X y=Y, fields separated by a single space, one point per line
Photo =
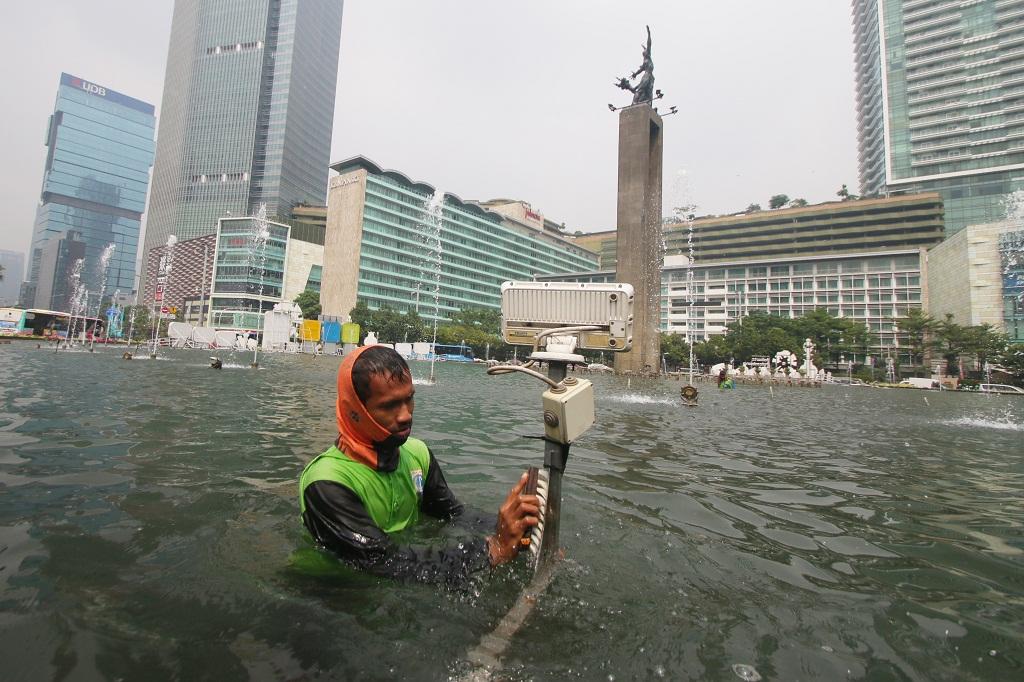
x=351 y=508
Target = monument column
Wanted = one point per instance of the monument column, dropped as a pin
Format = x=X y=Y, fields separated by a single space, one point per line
x=639 y=234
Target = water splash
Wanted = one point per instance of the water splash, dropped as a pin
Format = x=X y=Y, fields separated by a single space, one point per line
x=1003 y=424
x=638 y=399
x=1011 y=247
x=745 y=672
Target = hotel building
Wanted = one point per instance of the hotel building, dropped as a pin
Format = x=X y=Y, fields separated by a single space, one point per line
x=861 y=259
x=392 y=241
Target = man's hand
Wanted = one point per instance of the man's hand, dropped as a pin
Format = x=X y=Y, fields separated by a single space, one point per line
x=516 y=516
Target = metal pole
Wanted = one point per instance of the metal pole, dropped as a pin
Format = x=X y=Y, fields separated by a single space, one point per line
x=555 y=457
x=202 y=289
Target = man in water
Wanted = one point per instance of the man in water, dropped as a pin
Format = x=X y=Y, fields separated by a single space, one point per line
x=376 y=480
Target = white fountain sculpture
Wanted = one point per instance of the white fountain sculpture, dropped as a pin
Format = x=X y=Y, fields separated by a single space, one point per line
x=808 y=368
x=785 y=363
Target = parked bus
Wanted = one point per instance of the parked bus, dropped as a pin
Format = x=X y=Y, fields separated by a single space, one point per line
x=39 y=322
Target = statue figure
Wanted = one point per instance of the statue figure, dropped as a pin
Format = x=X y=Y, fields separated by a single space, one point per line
x=643 y=91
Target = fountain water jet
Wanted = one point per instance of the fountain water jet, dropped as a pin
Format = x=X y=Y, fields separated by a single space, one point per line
x=165 y=273
x=104 y=263
x=77 y=288
x=258 y=259
x=432 y=249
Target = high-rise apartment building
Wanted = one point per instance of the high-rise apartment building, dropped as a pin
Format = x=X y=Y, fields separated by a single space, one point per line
x=247 y=111
x=100 y=149
x=940 y=102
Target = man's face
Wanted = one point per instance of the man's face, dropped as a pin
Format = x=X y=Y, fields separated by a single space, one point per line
x=391 y=405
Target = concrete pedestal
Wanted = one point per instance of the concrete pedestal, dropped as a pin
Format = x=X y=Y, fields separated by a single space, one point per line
x=639 y=233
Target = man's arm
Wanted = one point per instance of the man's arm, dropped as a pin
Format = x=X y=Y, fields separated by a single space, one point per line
x=337 y=519
x=515 y=516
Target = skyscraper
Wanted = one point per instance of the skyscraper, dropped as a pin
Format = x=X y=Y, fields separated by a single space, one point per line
x=940 y=102
x=247 y=111
x=94 y=184
x=12 y=272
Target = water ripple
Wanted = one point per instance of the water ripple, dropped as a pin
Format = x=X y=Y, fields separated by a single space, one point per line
x=149 y=529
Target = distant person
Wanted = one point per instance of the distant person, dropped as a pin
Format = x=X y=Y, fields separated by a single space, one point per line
x=376 y=480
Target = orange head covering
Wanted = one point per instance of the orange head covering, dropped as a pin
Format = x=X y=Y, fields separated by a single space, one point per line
x=359 y=435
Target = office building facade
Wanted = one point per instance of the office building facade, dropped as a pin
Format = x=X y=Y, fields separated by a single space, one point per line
x=977 y=275
x=217 y=279
x=12 y=274
x=191 y=270
x=940 y=102
x=247 y=113
x=54 y=285
x=99 y=151
x=251 y=275
x=392 y=241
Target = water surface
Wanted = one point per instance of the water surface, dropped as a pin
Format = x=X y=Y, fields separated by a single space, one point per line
x=149 y=530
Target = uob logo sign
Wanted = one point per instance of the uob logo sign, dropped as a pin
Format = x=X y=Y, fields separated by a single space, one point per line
x=90 y=87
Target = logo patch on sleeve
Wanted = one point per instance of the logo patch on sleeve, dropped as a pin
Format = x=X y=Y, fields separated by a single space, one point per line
x=417 y=480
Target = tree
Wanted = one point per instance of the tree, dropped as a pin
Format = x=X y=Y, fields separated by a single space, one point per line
x=778 y=201
x=138 y=322
x=844 y=194
x=952 y=340
x=712 y=351
x=753 y=208
x=1011 y=359
x=797 y=203
x=309 y=302
x=389 y=325
x=675 y=349
x=918 y=326
x=986 y=342
x=486 y=319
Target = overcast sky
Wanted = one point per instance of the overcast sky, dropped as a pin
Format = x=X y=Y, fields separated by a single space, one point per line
x=504 y=99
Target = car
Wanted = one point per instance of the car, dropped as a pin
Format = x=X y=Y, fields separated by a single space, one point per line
x=1002 y=389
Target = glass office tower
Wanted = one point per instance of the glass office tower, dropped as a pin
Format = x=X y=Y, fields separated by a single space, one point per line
x=247 y=112
x=100 y=148
x=940 y=102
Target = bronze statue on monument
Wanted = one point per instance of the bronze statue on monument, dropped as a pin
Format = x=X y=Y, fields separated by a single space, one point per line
x=643 y=91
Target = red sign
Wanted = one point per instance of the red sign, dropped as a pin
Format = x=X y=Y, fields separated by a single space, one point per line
x=159 y=296
x=165 y=309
